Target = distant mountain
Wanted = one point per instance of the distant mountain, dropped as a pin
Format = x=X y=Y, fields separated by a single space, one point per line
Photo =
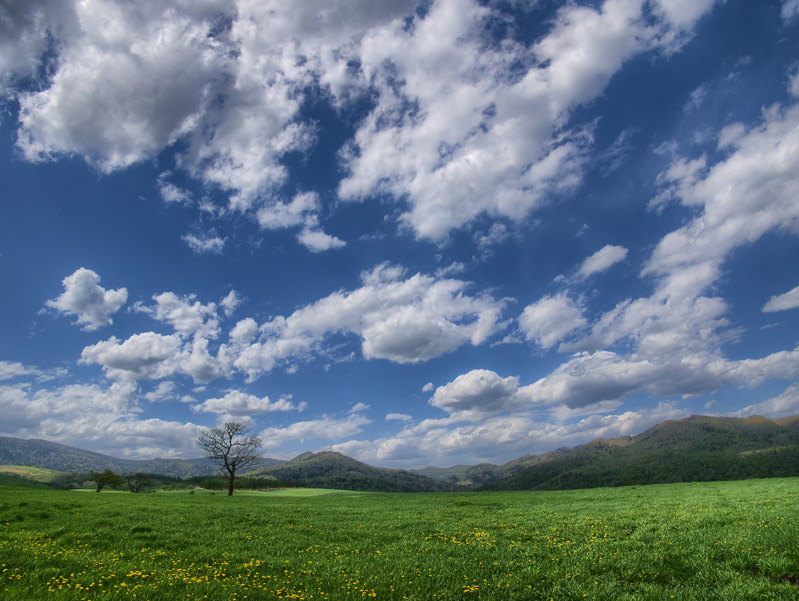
x=471 y=476
x=334 y=470
x=697 y=448
x=54 y=456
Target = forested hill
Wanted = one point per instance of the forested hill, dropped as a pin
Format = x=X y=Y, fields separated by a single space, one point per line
x=54 y=456
x=334 y=470
x=698 y=448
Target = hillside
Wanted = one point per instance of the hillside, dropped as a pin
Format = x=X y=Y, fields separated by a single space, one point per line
x=697 y=448
x=334 y=470
x=63 y=458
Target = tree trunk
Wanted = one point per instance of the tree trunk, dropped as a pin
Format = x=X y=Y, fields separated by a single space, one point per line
x=230 y=487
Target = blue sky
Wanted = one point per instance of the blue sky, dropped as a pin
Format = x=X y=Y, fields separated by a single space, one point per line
x=415 y=233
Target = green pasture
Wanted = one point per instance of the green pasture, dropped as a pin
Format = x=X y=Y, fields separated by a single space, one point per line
x=721 y=540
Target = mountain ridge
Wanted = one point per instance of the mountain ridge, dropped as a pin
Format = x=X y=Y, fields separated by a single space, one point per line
x=695 y=448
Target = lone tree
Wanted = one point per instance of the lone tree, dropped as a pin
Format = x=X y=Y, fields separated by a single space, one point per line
x=138 y=481
x=106 y=478
x=231 y=447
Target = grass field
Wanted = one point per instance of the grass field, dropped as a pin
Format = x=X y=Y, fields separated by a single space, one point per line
x=726 y=540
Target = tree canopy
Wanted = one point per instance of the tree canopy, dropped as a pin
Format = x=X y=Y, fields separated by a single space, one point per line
x=106 y=478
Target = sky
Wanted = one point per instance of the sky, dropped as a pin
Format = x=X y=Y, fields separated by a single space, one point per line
x=416 y=233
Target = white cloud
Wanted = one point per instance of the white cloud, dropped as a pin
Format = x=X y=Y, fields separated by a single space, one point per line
x=784 y=405
x=14 y=369
x=186 y=315
x=279 y=215
x=359 y=407
x=460 y=136
x=601 y=260
x=478 y=391
x=550 y=319
x=164 y=391
x=94 y=417
x=130 y=80
x=590 y=378
x=316 y=240
x=790 y=10
x=427 y=387
x=324 y=428
x=677 y=333
x=498 y=439
x=783 y=302
x=24 y=30
x=457 y=129
x=683 y=14
x=205 y=244
x=170 y=192
x=92 y=304
x=147 y=355
x=399 y=417
x=230 y=303
x=237 y=403
x=402 y=320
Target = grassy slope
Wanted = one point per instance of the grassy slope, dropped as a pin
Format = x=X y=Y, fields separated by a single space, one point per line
x=37 y=474
x=726 y=540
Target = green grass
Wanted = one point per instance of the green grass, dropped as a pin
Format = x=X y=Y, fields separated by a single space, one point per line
x=721 y=540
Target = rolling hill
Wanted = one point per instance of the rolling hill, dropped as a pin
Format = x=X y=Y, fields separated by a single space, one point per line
x=63 y=458
x=334 y=470
x=697 y=448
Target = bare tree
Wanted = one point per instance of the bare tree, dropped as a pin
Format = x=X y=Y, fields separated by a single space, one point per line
x=231 y=447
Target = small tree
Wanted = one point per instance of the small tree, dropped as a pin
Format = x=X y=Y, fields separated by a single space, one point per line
x=106 y=478
x=231 y=447
x=137 y=481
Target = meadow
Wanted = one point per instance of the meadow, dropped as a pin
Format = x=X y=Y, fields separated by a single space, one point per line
x=721 y=540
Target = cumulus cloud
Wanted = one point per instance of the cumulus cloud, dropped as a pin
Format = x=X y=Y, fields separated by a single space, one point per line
x=460 y=136
x=790 y=10
x=92 y=304
x=147 y=355
x=498 y=439
x=186 y=315
x=324 y=428
x=164 y=391
x=402 y=320
x=205 y=244
x=783 y=302
x=230 y=303
x=459 y=127
x=399 y=417
x=316 y=240
x=95 y=417
x=601 y=260
x=130 y=80
x=170 y=192
x=237 y=404
x=14 y=369
x=550 y=319
x=750 y=190
x=784 y=405
x=478 y=391
x=591 y=378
